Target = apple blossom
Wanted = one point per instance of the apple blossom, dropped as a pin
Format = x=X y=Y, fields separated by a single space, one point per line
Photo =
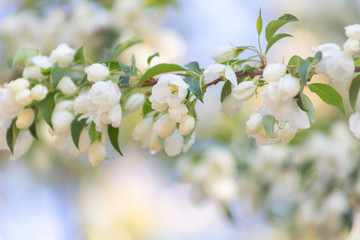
x=244 y=91
x=154 y=143
x=173 y=144
x=327 y=50
x=114 y=115
x=353 y=31
x=25 y=118
x=63 y=55
x=97 y=72
x=288 y=87
x=164 y=126
x=178 y=113
x=105 y=94
x=23 y=97
x=17 y=85
x=143 y=130
x=216 y=71
x=66 y=105
x=39 y=92
x=340 y=67
x=33 y=68
x=231 y=106
x=61 y=121
x=254 y=123
x=352 y=46
x=187 y=126
x=354 y=124
x=67 y=86
x=223 y=53
x=134 y=102
x=97 y=153
x=273 y=72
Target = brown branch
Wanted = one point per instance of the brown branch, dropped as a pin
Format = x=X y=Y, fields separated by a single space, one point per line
x=357 y=69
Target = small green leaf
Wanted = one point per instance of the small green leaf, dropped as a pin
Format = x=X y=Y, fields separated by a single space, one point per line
x=191 y=108
x=354 y=92
x=113 y=54
x=125 y=68
x=274 y=25
x=124 y=81
x=83 y=81
x=146 y=107
x=133 y=68
x=269 y=122
x=113 y=136
x=194 y=66
x=32 y=128
x=10 y=62
x=259 y=23
x=93 y=134
x=76 y=129
x=275 y=39
x=304 y=69
x=318 y=57
x=80 y=56
x=47 y=106
x=195 y=86
x=58 y=73
x=160 y=68
x=226 y=90
x=309 y=107
x=328 y=94
x=11 y=135
x=22 y=56
x=293 y=65
x=151 y=57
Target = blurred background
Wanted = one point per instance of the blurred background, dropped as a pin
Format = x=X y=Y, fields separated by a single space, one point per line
x=226 y=187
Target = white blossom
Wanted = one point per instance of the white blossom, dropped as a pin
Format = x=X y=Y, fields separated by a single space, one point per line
x=170 y=90
x=9 y=108
x=288 y=87
x=173 y=144
x=134 y=102
x=33 y=67
x=187 y=126
x=97 y=72
x=244 y=91
x=39 y=92
x=143 y=130
x=178 y=112
x=223 y=53
x=254 y=123
x=340 y=67
x=17 y=85
x=61 y=121
x=114 y=116
x=354 y=124
x=25 y=118
x=231 y=106
x=83 y=104
x=97 y=153
x=286 y=134
x=274 y=71
x=352 y=46
x=216 y=71
x=105 y=94
x=353 y=31
x=63 y=55
x=154 y=143
x=67 y=86
x=327 y=50
x=23 y=97
x=164 y=126
x=66 y=105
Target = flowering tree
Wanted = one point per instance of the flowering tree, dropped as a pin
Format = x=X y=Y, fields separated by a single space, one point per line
x=83 y=101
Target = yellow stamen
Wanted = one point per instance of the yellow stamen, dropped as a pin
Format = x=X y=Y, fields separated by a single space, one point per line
x=173 y=88
x=222 y=75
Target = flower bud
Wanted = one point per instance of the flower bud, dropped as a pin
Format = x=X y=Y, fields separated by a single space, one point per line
x=254 y=123
x=173 y=144
x=97 y=154
x=134 y=102
x=231 y=106
x=340 y=67
x=143 y=130
x=97 y=72
x=164 y=126
x=25 y=118
x=17 y=85
x=288 y=87
x=354 y=124
x=286 y=135
x=61 y=121
x=114 y=115
x=39 y=92
x=244 y=91
x=353 y=31
x=352 y=46
x=187 y=126
x=67 y=86
x=63 y=55
x=223 y=53
x=274 y=71
x=178 y=112
x=82 y=103
x=23 y=97
x=105 y=94
x=33 y=67
x=154 y=143
x=64 y=105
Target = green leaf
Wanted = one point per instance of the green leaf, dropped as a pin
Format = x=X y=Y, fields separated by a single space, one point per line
x=226 y=90
x=309 y=107
x=93 y=134
x=10 y=62
x=151 y=57
x=194 y=66
x=113 y=54
x=274 y=25
x=114 y=135
x=304 y=69
x=328 y=94
x=293 y=65
x=318 y=57
x=275 y=39
x=195 y=86
x=80 y=56
x=354 y=92
x=191 y=108
x=146 y=107
x=58 y=73
x=76 y=129
x=133 y=68
x=32 y=128
x=11 y=135
x=269 y=122
x=22 y=56
x=160 y=68
x=125 y=68
x=124 y=81
x=47 y=106
x=259 y=23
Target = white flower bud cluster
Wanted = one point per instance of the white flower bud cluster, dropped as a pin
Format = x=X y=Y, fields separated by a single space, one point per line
x=213 y=175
